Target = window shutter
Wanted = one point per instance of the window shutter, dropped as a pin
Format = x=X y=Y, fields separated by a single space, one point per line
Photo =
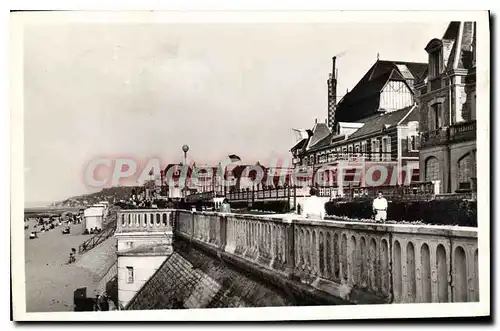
x=431 y=119
x=440 y=115
x=388 y=148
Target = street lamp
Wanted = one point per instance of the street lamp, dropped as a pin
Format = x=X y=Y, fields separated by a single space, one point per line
x=185 y=149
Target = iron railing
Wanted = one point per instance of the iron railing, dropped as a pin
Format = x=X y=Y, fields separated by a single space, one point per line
x=434 y=138
x=413 y=191
x=98 y=238
x=109 y=230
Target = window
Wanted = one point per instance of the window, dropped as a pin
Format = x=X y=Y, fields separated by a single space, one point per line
x=473 y=46
x=435 y=63
x=130 y=275
x=386 y=148
x=413 y=143
x=473 y=107
x=363 y=147
x=431 y=169
x=465 y=171
x=436 y=117
x=375 y=150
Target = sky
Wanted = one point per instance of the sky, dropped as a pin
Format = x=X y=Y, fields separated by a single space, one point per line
x=144 y=90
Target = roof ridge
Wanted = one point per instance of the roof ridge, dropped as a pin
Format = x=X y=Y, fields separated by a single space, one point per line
x=407 y=114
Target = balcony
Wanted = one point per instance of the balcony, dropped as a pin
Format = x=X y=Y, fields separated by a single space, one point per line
x=463 y=131
x=434 y=138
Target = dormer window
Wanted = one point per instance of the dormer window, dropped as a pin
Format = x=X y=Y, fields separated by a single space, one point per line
x=435 y=50
x=435 y=63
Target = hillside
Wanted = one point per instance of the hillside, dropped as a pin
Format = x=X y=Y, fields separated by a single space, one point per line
x=111 y=194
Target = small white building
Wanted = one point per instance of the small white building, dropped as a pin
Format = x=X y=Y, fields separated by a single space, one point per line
x=94 y=217
x=144 y=241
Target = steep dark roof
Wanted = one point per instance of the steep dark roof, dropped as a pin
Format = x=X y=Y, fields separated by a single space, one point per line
x=461 y=45
x=320 y=131
x=377 y=122
x=322 y=143
x=364 y=99
x=299 y=145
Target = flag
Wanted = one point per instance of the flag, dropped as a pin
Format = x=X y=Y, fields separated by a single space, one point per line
x=301 y=134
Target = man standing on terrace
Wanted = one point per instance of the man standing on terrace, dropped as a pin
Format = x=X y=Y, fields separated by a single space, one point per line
x=380 y=208
x=314 y=206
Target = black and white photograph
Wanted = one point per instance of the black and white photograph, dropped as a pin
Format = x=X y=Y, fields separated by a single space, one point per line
x=294 y=166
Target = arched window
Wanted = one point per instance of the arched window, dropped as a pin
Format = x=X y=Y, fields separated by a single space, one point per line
x=465 y=170
x=431 y=169
x=164 y=219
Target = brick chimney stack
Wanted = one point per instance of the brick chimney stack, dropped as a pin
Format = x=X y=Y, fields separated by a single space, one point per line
x=332 y=94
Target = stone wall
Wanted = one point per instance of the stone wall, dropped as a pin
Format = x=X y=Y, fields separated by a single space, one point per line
x=191 y=278
x=355 y=262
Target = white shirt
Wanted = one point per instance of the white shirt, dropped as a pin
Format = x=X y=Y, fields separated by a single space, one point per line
x=314 y=207
x=379 y=203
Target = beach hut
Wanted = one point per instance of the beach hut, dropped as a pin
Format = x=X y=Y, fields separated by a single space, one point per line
x=93 y=217
x=103 y=206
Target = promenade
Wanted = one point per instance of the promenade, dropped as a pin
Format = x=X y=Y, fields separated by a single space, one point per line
x=50 y=281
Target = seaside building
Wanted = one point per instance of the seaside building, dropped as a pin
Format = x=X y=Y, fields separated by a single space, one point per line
x=447 y=102
x=374 y=125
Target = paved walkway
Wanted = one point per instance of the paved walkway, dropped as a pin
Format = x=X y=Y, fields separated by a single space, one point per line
x=50 y=281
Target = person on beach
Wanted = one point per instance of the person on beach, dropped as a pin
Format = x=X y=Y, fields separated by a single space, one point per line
x=314 y=206
x=380 y=208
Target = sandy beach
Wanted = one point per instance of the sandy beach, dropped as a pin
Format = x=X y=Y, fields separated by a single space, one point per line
x=50 y=281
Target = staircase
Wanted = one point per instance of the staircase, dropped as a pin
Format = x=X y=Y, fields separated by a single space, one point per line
x=95 y=240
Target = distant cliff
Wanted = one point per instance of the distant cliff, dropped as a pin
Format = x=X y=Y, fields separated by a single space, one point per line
x=111 y=194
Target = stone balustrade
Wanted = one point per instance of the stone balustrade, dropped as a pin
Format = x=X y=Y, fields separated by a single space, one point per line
x=145 y=220
x=358 y=262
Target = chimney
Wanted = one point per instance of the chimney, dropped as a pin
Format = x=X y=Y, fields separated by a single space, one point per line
x=332 y=94
x=334 y=59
